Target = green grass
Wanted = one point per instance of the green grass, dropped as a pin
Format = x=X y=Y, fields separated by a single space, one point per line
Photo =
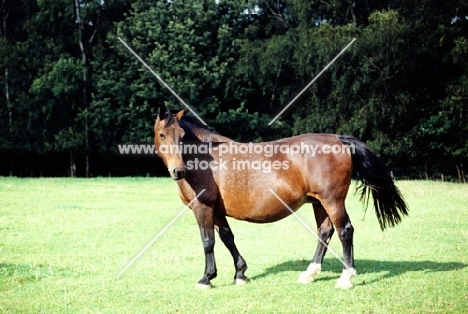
x=63 y=242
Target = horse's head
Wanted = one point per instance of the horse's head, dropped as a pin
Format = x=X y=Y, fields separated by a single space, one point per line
x=167 y=136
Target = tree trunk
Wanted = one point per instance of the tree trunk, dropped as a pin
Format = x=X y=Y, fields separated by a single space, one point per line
x=10 y=120
x=461 y=173
x=72 y=170
x=5 y=12
x=351 y=5
x=84 y=60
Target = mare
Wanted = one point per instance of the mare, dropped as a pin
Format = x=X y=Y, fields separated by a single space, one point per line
x=265 y=182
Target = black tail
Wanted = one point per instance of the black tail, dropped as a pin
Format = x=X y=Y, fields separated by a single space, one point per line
x=376 y=180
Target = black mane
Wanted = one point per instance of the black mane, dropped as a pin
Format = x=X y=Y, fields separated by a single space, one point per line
x=187 y=121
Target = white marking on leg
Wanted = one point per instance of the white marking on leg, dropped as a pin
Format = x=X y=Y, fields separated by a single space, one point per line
x=240 y=282
x=344 y=281
x=307 y=276
x=203 y=286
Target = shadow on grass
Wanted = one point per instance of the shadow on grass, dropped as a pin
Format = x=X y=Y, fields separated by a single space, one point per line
x=364 y=266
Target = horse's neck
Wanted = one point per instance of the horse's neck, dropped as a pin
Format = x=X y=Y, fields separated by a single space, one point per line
x=207 y=136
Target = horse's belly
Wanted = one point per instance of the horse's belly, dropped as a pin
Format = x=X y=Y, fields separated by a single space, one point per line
x=260 y=204
x=260 y=194
x=259 y=216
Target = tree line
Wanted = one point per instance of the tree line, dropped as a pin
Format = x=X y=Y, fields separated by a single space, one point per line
x=71 y=92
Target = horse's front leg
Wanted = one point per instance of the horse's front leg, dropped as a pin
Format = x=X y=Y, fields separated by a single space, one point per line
x=204 y=216
x=227 y=237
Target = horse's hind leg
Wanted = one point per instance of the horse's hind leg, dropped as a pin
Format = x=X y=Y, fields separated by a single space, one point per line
x=345 y=230
x=324 y=232
x=227 y=237
x=346 y=237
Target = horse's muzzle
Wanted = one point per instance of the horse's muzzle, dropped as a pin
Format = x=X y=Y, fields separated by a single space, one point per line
x=178 y=173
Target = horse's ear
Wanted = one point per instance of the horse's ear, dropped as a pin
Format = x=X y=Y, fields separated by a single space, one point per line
x=162 y=112
x=181 y=113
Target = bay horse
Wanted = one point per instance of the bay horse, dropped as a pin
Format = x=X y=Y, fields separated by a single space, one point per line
x=218 y=177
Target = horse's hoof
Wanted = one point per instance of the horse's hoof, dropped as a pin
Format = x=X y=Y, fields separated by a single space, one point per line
x=241 y=281
x=344 y=281
x=305 y=278
x=203 y=286
x=344 y=284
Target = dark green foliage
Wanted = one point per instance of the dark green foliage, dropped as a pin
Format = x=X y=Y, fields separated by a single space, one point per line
x=401 y=87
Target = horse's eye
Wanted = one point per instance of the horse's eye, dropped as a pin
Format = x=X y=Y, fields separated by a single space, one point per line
x=162 y=136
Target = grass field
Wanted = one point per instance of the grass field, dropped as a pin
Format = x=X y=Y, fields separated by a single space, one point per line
x=63 y=242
